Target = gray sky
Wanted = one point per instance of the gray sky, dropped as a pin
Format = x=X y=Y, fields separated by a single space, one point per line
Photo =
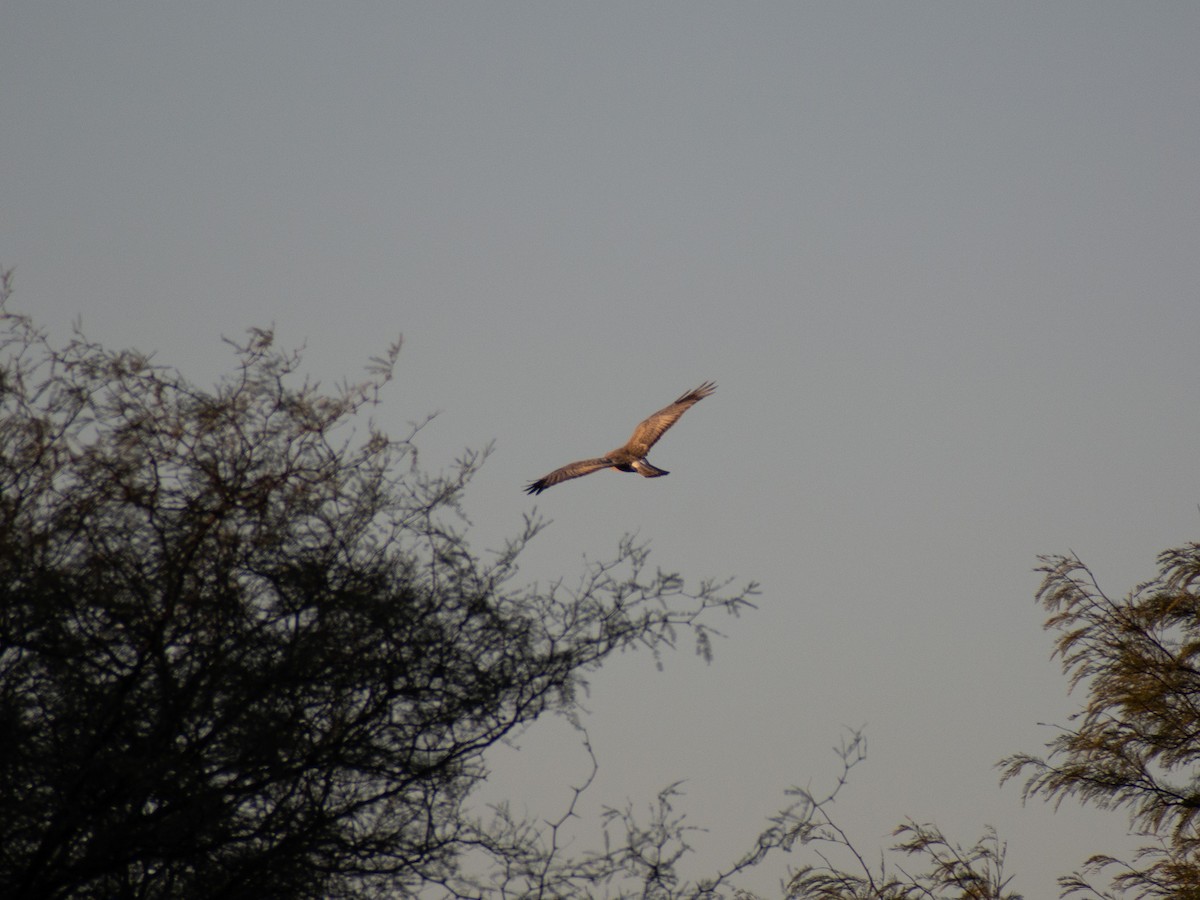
x=942 y=260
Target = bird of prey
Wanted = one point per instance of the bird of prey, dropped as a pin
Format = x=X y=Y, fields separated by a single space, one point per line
x=632 y=456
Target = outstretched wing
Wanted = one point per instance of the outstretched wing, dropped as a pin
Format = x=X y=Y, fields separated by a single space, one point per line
x=573 y=470
x=649 y=431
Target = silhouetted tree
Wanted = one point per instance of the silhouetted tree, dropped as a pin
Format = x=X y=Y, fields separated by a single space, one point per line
x=1135 y=744
x=246 y=651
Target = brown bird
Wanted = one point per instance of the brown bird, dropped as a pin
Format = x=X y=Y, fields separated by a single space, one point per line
x=631 y=457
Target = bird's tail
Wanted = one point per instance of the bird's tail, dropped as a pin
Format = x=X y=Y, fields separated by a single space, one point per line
x=643 y=468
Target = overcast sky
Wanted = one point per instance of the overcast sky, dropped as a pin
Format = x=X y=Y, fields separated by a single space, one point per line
x=943 y=261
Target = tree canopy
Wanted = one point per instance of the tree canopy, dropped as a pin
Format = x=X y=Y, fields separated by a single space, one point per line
x=245 y=648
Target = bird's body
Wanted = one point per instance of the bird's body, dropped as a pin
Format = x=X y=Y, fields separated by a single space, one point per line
x=631 y=457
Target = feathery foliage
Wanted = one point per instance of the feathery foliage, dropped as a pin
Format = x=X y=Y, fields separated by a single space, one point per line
x=1135 y=744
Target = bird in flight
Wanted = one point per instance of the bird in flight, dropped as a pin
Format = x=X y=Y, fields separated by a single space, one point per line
x=632 y=456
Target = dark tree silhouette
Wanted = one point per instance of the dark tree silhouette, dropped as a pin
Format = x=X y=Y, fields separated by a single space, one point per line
x=246 y=651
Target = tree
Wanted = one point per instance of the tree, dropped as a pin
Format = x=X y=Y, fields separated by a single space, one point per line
x=1135 y=744
x=246 y=650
